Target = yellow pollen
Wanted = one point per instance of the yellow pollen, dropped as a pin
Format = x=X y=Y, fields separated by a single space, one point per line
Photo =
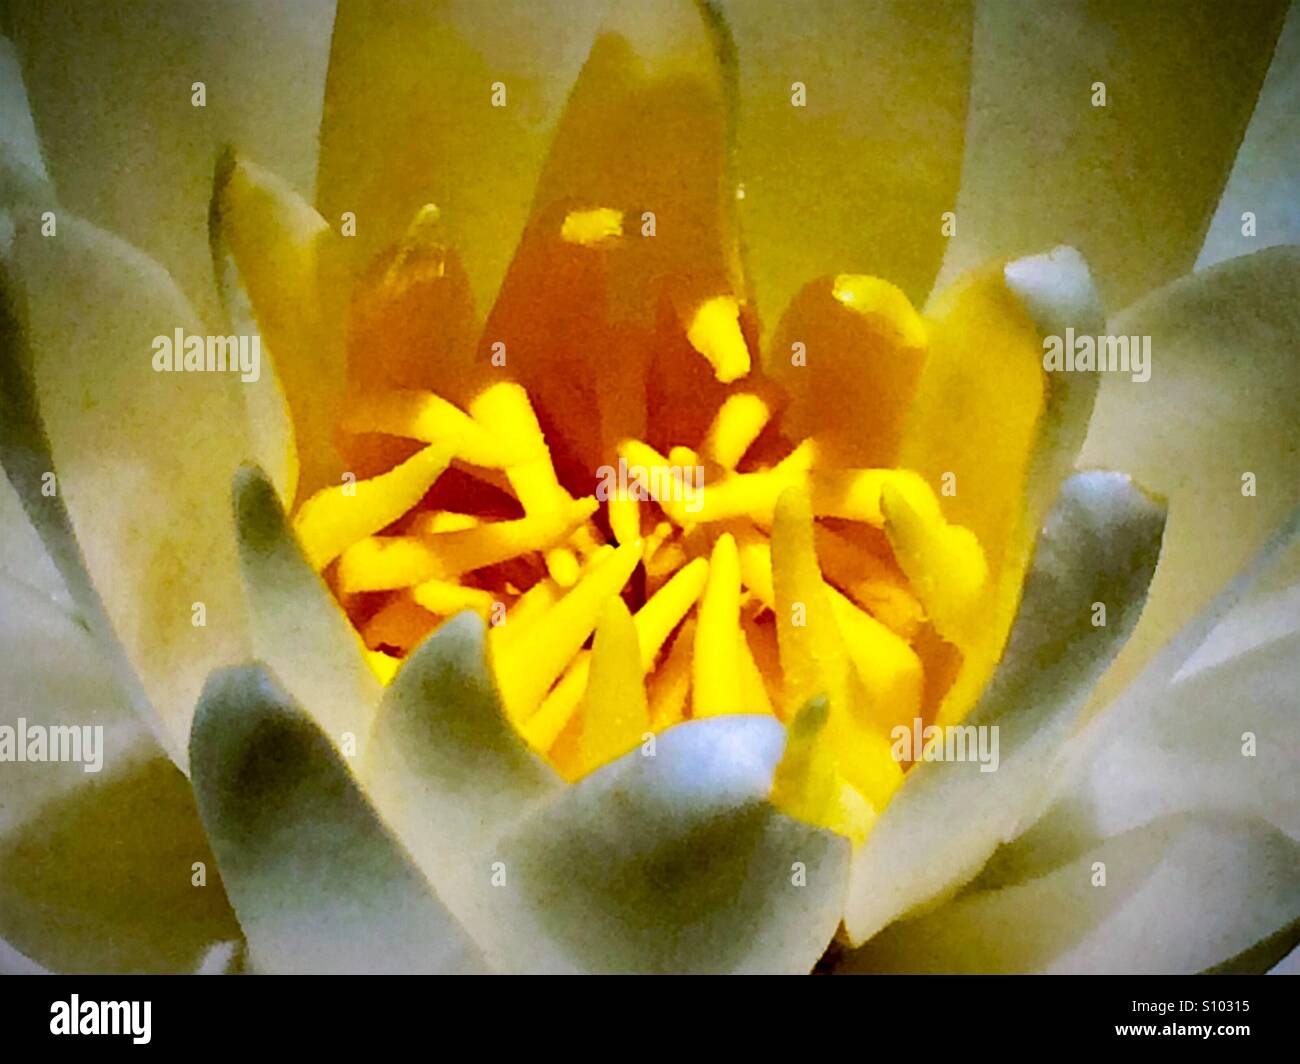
x=715 y=333
x=592 y=228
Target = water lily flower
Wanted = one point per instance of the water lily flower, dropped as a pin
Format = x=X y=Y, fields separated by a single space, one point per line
x=658 y=543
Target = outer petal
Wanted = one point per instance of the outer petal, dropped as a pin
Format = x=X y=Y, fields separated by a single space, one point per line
x=111 y=91
x=1099 y=544
x=1182 y=894
x=95 y=867
x=444 y=764
x=671 y=861
x=858 y=178
x=319 y=883
x=136 y=454
x=1221 y=402
x=412 y=85
x=297 y=627
x=1265 y=178
x=1131 y=184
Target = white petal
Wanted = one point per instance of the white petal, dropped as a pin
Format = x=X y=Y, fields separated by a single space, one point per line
x=111 y=91
x=318 y=882
x=445 y=766
x=1221 y=403
x=668 y=863
x=298 y=629
x=1099 y=544
x=140 y=457
x=1132 y=184
x=1181 y=894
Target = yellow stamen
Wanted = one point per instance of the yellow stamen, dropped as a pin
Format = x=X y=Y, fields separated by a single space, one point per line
x=335 y=518
x=715 y=333
x=446 y=598
x=424 y=416
x=717 y=670
x=737 y=425
x=615 y=713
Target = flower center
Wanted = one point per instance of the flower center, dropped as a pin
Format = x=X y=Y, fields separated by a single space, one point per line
x=632 y=580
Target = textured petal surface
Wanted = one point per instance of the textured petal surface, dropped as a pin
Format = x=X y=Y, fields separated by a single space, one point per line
x=1132 y=184
x=137 y=455
x=1221 y=403
x=319 y=883
x=669 y=862
x=1099 y=544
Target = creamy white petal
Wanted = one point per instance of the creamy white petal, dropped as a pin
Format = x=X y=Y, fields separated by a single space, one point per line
x=1132 y=184
x=139 y=458
x=1099 y=544
x=668 y=860
x=111 y=89
x=297 y=627
x=319 y=883
x=1221 y=403
x=1181 y=894
x=443 y=763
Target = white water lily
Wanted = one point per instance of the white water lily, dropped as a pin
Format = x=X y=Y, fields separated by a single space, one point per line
x=235 y=824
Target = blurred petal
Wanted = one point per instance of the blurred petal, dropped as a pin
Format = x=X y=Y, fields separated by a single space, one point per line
x=1132 y=184
x=22 y=554
x=1099 y=544
x=101 y=879
x=1265 y=178
x=111 y=91
x=856 y=180
x=668 y=862
x=319 y=883
x=22 y=169
x=14 y=963
x=1221 y=402
x=1223 y=736
x=445 y=766
x=408 y=118
x=1181 y=894
x=54 y=673
x=297 y=627
x=138 y=456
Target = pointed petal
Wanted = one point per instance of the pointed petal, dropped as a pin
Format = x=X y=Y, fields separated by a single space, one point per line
x=297 y=627
x=319 y=883
x=1099 y=544
x=444 y=764
x=412 y=85
x=670 y=863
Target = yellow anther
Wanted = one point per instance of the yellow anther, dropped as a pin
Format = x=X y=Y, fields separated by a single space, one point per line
x=528 y=665
x=855 y=493
x=614 y=712
x=736 y=426
x=335 y=518
x=593 y=227
x=446 y=598
x=715 y=333
x=425 y=416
